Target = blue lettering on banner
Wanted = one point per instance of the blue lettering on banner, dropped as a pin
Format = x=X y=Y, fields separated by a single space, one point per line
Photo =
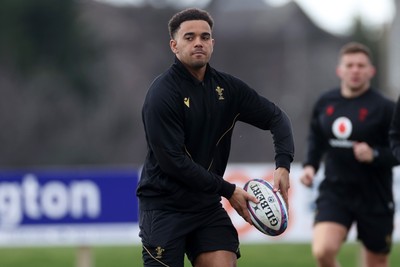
x=46 y=197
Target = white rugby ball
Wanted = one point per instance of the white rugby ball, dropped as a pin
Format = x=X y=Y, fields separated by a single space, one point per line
x=270 y=215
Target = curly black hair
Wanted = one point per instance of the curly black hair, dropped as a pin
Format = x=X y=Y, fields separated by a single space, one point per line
x=185 y=15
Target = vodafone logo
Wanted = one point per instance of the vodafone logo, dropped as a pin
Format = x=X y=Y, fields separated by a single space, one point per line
x=342 y=128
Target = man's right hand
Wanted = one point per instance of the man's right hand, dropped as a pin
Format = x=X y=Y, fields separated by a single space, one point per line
x=239 y=200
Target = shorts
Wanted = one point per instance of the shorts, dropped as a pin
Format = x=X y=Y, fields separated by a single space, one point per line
x=374 y=230
x=168 y=235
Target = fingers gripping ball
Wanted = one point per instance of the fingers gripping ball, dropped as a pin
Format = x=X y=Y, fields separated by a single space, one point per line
x=270 y=215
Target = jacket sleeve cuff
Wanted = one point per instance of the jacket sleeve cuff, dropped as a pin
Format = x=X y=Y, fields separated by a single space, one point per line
x=283 y=160
x=227 y=189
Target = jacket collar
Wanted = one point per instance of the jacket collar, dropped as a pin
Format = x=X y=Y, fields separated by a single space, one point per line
x=182 y=71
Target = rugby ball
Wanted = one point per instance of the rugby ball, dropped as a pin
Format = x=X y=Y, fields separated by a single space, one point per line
x=270 y=215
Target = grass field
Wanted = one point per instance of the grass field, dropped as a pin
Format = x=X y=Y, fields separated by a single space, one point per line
x=264 y=255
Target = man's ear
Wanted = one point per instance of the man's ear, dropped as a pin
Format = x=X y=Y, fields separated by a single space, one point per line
x=172 y=45
x=338 y=71
x=373 y=71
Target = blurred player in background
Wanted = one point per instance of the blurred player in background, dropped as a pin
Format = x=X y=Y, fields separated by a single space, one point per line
x=189 y=114
x=394 y=133
x=349 y=130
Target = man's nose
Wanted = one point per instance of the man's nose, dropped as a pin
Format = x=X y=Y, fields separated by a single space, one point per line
x=198 y=42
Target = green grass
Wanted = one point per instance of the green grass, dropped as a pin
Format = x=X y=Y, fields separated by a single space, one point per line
x=277 y=255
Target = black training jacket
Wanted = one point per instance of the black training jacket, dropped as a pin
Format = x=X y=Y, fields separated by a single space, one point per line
x=336 y=124
x=188 y=126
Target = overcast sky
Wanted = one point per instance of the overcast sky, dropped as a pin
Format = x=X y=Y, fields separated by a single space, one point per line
x=334 y=16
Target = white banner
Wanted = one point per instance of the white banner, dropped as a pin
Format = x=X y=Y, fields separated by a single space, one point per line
x=301 y=204
x=42 y=231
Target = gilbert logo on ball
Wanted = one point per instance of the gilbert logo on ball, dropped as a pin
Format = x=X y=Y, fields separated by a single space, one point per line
x=270 y=215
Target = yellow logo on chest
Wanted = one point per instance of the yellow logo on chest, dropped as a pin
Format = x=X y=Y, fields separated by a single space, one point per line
x=220 y=92
x=186 y=100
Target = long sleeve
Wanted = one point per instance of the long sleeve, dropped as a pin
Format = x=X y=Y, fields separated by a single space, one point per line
x=316 y=142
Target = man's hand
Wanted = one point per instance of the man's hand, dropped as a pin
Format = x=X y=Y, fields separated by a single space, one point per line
x=282 y=183
x=307 y=177
x=239 y=202
x=363 y=152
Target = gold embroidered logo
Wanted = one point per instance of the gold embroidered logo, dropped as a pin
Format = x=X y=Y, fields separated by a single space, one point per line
x=220 y=93
x=159 y=252
x=186 y=101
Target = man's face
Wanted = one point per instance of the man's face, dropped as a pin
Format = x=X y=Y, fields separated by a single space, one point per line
x=192 y=43
x=355 y=70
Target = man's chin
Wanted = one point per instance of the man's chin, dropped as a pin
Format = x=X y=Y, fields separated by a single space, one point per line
x=198 y=64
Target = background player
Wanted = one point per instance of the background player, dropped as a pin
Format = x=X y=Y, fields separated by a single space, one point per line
x=349 y=129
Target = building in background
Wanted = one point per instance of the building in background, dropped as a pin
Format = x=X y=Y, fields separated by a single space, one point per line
x=95 y=119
